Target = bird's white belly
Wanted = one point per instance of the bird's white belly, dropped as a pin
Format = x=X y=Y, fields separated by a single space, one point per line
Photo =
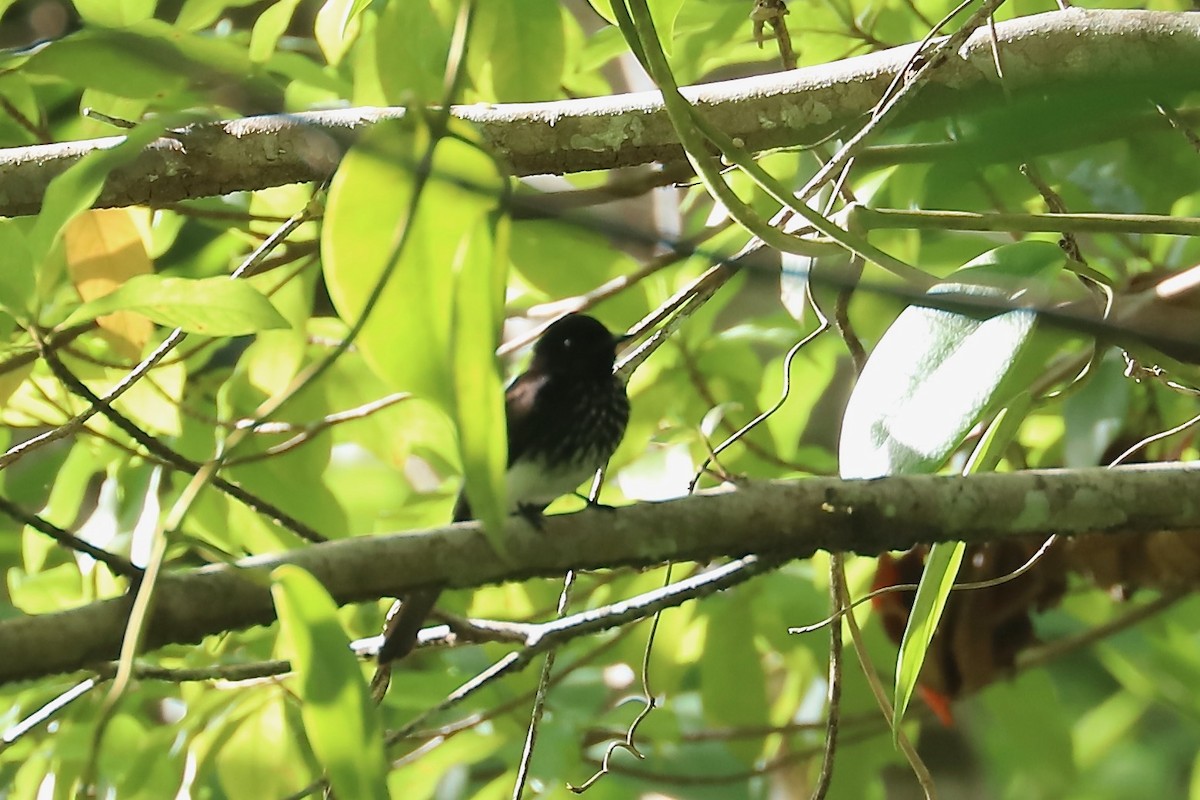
x=531 y=484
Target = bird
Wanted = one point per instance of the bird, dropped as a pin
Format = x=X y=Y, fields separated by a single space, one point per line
x=565 y=416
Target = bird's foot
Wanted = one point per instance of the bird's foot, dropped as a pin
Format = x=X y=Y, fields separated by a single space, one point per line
x=595 y=504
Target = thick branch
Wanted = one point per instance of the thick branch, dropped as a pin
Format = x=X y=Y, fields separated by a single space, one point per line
x=793 y=519
x=1152 y=53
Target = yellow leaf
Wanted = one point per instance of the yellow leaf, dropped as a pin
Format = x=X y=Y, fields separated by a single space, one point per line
x=104 y=249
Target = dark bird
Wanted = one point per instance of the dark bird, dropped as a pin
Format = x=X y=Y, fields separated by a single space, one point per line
x=565 y=416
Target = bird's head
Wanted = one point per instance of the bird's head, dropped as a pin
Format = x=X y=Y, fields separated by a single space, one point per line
x=576 y=345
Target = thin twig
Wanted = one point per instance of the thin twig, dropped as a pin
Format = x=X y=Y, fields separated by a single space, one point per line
x=887 y=110
x=679 y=251
x=118 y=565
x=783 y=396
x=40 y=132
x=649 y=703
x=310 y=432
x=552 y=204
x=706 y=394
x=554 y=633
x=1180 y=428
x=885 y=705
x=539 y=696
x=46 y=712
x=176 y=336
x=837 y=591
x=1179 y=124
x=1055 y=204
x=774 y=13
x=1039 y=657
x=175 y=459
x=228 y=214
x=967 y=586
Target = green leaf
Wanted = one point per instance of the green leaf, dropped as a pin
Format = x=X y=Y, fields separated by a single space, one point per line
x=253 y=751
x=17 y=279
x=368 y=217
x=935 y=374
x=732 y=679
x=450 y=258
x=413 y=73
x=479 y=401
x=335 y=30
x=368 y=212
x=943 y=562
x=527 y=52
x=95 y=59
x=197 y=14
x=114 y=13
x=17 y=90
x=1095 y=414
x=211 y=306
x=342 y=724
x=269 y=26
x=663 y=12
x=540 y=247
x=941 y=568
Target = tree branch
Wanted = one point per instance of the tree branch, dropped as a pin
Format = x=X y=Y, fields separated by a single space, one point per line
x=1153 y=53
x=785 y=518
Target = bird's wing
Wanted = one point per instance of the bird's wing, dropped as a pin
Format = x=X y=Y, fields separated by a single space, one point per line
x=519 y=399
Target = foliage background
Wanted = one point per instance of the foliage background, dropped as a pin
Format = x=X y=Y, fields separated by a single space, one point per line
x=742 y=702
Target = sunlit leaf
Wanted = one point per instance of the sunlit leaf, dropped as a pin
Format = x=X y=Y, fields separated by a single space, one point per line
x=210 y=306
x=479 y=401
x=197 y=14
x=941 y=568
x=270 y=25
x=17 y=277
x=449 y=259
x=526 y=53
x=366 y=218
x=104 y=250
x=148 y=59
x=663 y=12
x=336 y=27
x=414 y=72
x=254 y=747
x=341 y=722
x=114 y=13
x=935 y=373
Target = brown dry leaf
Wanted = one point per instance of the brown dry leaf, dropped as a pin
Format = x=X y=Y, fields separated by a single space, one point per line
x=982 y=630
x=104 y=249
x=1164 y=560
